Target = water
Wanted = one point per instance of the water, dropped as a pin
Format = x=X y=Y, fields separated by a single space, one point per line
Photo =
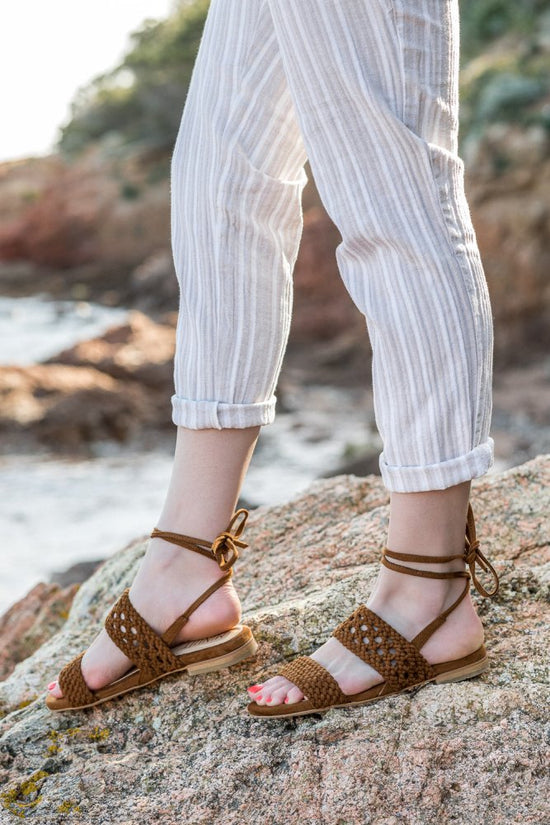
x=35 y=328
x=56 y=512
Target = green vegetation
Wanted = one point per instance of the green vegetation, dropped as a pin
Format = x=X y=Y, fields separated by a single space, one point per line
x=505 y=64
x=484 y=21
x=141 y=100
x=505 y=49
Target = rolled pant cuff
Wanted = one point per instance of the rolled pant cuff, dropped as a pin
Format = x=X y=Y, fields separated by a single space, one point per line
x=410 y=479
x=202 y=415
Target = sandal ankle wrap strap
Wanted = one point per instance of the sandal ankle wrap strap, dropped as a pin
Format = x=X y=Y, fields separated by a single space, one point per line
x=472 y=555
x=398 y=660
x=150 y=652
x=223 y=549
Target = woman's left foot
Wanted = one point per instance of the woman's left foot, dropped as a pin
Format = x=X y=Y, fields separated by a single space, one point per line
x=408 y=604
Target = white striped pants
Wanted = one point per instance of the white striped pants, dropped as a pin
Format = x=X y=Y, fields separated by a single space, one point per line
x=367 y=90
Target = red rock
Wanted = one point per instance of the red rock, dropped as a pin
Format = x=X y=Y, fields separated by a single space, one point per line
x=32 y=621
x=139 y=350
x=64 y=407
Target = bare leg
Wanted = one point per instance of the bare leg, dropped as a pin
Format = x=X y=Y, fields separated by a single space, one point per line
x=209 y=467
x=427 y=523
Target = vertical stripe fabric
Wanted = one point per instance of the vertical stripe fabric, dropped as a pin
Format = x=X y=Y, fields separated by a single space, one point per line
x=367 y=90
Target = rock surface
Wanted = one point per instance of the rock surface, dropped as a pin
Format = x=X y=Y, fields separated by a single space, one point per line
x=31 y=621
x=138 y=350
x=186 y=751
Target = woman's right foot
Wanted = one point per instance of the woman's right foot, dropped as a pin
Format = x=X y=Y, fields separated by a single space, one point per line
x=168 y=581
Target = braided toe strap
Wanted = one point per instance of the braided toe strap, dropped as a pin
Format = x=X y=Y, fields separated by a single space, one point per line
x=138 y=641
x=314 y=681
x=74 y=688
x=384 y=649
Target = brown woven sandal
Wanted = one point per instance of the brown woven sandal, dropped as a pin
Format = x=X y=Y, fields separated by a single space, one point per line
x=152 y=656
x=378 y=644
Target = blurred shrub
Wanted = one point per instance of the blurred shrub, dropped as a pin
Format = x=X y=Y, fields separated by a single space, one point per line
x=142 y=99
x=483 y=21
x=505 y=50
x=505 y=74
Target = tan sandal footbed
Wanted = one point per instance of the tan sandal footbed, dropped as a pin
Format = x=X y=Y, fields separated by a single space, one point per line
x=221 y=651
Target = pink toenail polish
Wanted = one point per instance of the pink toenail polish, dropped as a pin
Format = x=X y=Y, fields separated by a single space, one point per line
x=254 y=688
x=268 y=698
x=52 y=685
x=286 y=701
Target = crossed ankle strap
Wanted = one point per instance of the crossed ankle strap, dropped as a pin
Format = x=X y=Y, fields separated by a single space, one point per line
x=471 y=556
x=223 y=550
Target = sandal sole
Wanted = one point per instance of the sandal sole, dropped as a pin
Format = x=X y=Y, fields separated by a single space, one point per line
x=456 y=675
x=245 y=651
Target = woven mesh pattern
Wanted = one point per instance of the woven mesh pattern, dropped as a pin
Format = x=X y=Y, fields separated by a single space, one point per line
x=384 y=649
x=138 y=641
x=72 y=684
x=314 y=681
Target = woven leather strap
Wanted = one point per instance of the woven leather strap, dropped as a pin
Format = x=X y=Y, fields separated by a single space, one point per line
x=384 y=649
x=138 y=641
x=314 y=681
x=72 y=684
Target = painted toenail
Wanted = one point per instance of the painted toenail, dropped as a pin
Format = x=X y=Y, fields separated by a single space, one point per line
x=52 y=685
x=286 y=701
x=254 y=688
x=268 y=698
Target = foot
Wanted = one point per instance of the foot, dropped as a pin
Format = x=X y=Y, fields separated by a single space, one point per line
x=408 y=604
x=169 y=579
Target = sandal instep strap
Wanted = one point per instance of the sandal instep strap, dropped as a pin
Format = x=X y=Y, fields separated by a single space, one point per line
x=315 y=682
x=379 y=645
x=72 y=684
x=138 y=641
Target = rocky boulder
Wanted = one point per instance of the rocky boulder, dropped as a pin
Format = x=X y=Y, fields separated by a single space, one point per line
x=110 y=387
x=138 y=350
x=104 y=207
x=186 y=751
x=31 y=621
x=64 y=408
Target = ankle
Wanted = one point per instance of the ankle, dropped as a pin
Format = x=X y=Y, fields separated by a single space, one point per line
x=164 y=559
x=414 y=597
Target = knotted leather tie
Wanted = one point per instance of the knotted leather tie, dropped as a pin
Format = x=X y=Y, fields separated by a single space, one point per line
x=473 y=556
x=224 y=546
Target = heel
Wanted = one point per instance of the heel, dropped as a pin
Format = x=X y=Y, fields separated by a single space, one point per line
x=461 y=673
x=234 y=657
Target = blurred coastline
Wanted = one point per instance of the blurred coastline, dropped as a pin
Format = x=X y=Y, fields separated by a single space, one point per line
x=88 y=303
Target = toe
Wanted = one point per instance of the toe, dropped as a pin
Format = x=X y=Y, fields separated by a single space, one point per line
x=55 y=690
x=276 y=691
x=294 y=695
x=279 y=693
